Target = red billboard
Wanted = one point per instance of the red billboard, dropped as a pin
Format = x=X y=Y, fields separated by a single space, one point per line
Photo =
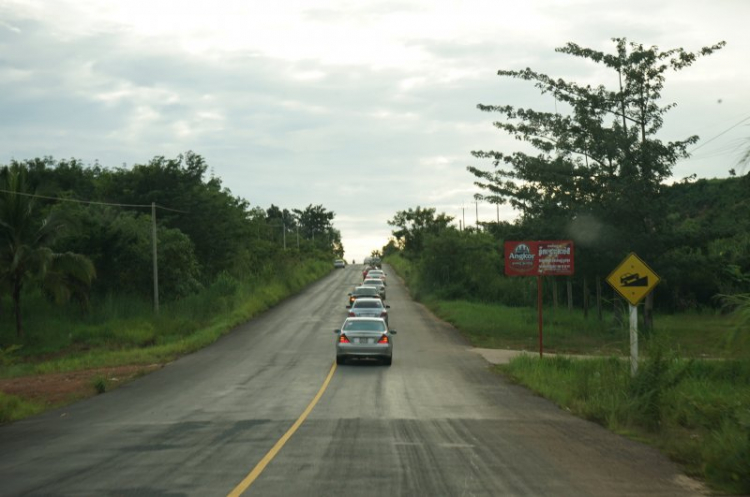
x=539 y=258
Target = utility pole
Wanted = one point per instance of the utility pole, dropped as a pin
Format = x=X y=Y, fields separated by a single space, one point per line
x=156 y=263
x=297 y=236
x=283 y=226
x=498 y=213
x=476 y=203
x=463 y=215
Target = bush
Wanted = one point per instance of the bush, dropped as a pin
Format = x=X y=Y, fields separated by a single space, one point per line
x=655 y=377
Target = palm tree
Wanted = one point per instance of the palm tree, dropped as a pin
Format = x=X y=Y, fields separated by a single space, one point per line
x=25 y=253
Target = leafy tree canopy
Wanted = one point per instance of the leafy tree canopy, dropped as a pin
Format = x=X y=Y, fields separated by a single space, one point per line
x=598 y=161
x=413 y=224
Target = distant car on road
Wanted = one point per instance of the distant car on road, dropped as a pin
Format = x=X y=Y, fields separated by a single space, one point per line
x=377 y=283
x=366 y=270
x=363 y=292
x=364 y=338
x=377 y=273
x=339 y=264
x=368 y=308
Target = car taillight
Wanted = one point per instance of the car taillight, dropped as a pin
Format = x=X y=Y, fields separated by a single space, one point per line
x=383 y=339
x=383 y=314
x=351 y=314
x=343 y=339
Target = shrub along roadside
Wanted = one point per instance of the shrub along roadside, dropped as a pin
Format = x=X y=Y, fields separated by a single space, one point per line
x=127 y=333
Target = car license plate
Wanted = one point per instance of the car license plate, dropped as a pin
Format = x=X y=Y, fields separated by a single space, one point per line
x=364 y=340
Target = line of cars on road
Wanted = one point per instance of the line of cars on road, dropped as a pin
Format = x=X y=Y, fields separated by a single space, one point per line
x=365 y=333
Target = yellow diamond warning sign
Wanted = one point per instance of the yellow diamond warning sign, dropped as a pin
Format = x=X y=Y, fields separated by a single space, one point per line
x=633 y=279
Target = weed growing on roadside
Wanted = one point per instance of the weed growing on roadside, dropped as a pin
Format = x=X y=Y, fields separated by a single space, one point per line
x=6 y=355
x=13 y=408
x=656 y=376
x=100 y=384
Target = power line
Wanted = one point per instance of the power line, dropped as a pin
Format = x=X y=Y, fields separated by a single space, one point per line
x=720 y=134
x=90 y=202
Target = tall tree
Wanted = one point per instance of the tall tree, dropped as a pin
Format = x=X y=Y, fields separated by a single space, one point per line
x=214 y=219
x=315 y=222
x=413 y=224
x=25 y=254
x=599 y=168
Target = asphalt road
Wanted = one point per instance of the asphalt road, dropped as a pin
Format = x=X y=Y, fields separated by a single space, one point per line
x=435 y=423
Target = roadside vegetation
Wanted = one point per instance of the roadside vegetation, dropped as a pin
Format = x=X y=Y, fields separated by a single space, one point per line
x=596 y=173
x=76 y=265
x=695 y=411
x=690 y=398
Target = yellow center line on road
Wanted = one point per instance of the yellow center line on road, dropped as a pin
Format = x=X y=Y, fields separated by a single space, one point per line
x=258 y=469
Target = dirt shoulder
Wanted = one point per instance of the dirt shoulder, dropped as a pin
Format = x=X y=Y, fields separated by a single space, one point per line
x=56 y=389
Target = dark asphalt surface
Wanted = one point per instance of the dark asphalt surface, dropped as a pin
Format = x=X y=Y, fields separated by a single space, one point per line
x=436 y=423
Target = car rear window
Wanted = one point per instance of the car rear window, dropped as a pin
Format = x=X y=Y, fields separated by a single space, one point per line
x=372 y=282
x=370 y=290
x=369 y=304
x=364 y=326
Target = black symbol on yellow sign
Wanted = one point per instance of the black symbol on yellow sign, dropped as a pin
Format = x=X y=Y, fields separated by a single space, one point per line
x=633 y=279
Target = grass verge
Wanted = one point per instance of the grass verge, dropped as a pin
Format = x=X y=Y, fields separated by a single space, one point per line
x=697 y=412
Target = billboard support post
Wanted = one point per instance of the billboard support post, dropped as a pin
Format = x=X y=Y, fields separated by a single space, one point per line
x=539 y=305
x=539 y=258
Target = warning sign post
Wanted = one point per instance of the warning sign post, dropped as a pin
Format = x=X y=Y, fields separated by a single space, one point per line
x=633 y=280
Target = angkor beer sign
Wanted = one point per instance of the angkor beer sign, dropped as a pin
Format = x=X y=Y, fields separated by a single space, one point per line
x=539 y=258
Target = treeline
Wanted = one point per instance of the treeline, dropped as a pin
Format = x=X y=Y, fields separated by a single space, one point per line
x=50 y=208
x=595 y=172
x=700 y=251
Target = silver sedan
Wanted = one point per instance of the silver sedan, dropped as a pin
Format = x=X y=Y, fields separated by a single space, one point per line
x=364 y=338
x=376 y=274
x=368 y=308
x=377 y=283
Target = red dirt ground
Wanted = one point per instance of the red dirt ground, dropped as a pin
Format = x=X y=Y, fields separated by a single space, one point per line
x=56 y=389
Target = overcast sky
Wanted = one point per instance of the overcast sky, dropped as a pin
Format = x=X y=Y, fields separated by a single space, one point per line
x=365 y=107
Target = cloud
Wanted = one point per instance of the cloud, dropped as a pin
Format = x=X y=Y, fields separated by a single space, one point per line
x=366 y=108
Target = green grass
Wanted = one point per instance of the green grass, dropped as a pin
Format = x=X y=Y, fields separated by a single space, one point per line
x=497 y=326
x=13 y=408
x=125 y=331
x=698 y=412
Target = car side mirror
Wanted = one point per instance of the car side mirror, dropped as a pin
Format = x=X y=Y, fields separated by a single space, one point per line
x=387 y=307
x=349 y=294
x=392 y=332
x=348 y=307
x=337 y=331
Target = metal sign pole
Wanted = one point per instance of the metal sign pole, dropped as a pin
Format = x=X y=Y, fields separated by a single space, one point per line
x=633 y=280
x=539 y=304
x=633 y=339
